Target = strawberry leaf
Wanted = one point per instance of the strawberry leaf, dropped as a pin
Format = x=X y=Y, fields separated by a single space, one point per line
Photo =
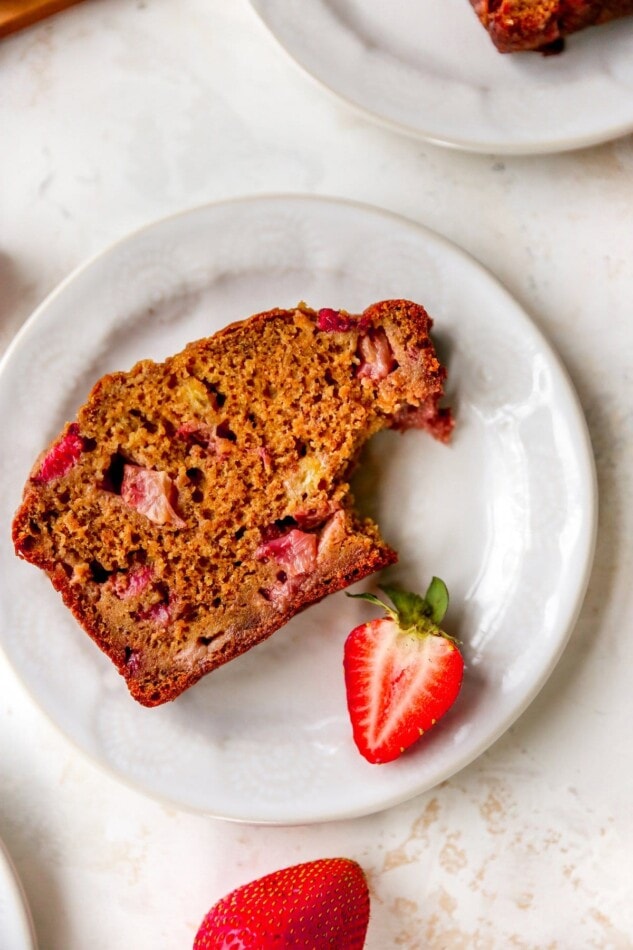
x=375 y=600
x=436 y=599
x=412 y=609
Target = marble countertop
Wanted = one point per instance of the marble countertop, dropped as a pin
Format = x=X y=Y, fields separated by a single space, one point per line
x=116 y=113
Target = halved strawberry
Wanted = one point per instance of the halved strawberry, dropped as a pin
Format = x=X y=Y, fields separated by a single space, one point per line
x=402 y=672
x=322 y=903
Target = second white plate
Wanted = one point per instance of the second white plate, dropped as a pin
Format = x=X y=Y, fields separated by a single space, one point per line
x=429 y=68
x=505 y=514
x=16 y=926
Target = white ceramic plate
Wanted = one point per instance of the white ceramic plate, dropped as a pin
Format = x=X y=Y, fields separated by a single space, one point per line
x=429 y=68
x=505 y=514
x=16 y=931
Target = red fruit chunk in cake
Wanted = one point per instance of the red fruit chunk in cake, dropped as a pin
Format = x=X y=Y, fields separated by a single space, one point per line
x=148 y=492
x=61 y=457
x=296 y=552
x=131 y=583
x=160 y=614
x=377 y=359
x=334 y=321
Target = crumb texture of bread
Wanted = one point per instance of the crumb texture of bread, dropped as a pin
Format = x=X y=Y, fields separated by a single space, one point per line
x=195 y=505
x=524 y=25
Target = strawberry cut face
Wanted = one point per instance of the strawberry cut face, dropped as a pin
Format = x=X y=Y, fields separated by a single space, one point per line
x=402 y=674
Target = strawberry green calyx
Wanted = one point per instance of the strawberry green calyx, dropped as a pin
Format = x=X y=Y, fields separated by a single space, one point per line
x=411 y=611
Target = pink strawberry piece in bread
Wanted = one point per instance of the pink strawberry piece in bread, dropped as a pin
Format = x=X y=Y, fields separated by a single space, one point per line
x=59 y=460
x=402 y=672
x=160 y=614
x=319 y=904
x=149 y=493
x=295 y=551
x=296 y=554
x=376 y=355
x=334 y=321
x=216 y=438
x=132 y=583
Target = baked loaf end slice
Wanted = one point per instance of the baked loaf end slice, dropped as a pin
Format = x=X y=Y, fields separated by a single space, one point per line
x=195 y=505
x=522 y=25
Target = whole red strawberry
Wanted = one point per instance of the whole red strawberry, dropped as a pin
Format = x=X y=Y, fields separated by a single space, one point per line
x=402 y=672
x=320 y=904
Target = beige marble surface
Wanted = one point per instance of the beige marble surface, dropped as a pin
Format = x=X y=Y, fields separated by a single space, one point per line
x=116 y=113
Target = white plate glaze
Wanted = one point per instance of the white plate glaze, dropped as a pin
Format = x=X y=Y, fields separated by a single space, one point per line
x=16 y=929
x=505 y=514
x=428 y=67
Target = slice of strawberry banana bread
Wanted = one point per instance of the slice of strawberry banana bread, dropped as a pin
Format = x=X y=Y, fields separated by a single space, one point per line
x=195 y=505
x=522 y=25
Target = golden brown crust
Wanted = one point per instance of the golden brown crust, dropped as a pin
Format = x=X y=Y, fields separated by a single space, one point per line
x=196 y=505
x=524 y=25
